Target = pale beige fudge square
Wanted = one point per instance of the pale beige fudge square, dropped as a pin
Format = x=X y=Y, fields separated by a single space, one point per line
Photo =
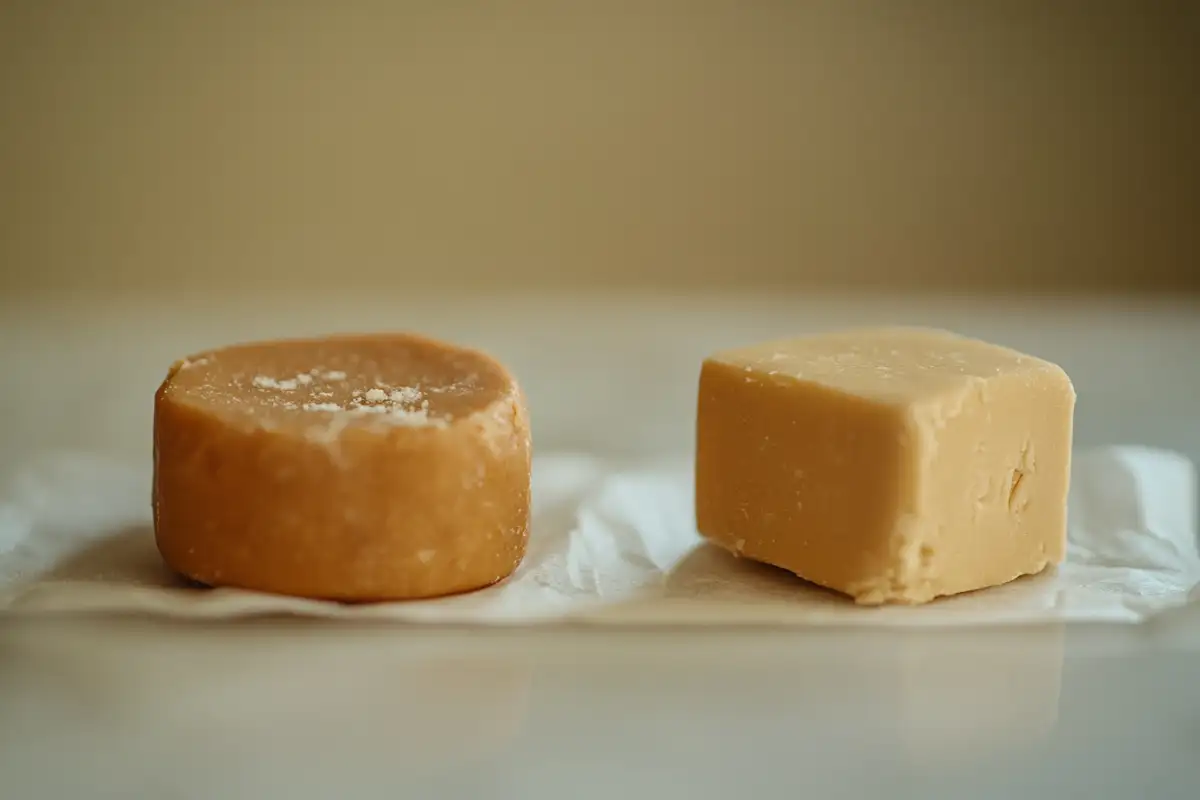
x=894 y=465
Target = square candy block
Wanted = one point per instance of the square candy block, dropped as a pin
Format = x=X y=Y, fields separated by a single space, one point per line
x=893 y=465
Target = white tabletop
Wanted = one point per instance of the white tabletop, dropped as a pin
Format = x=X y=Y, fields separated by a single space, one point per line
x=133 y=708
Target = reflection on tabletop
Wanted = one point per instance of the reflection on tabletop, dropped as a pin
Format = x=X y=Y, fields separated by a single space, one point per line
x=332 y=701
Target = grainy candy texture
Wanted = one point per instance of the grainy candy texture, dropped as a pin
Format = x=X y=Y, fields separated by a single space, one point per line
x=893 y=465
x=354 y=468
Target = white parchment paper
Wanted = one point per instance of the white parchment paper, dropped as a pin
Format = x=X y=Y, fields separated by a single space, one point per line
x=611 y=544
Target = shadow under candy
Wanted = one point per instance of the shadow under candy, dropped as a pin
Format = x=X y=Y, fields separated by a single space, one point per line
x=711 y=572
x=127 y=557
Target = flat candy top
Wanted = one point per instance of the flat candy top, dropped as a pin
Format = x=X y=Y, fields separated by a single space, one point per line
x=396 y=379
x=885 y=364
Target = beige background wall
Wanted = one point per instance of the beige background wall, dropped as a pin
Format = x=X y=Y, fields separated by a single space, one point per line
x=150 y=144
